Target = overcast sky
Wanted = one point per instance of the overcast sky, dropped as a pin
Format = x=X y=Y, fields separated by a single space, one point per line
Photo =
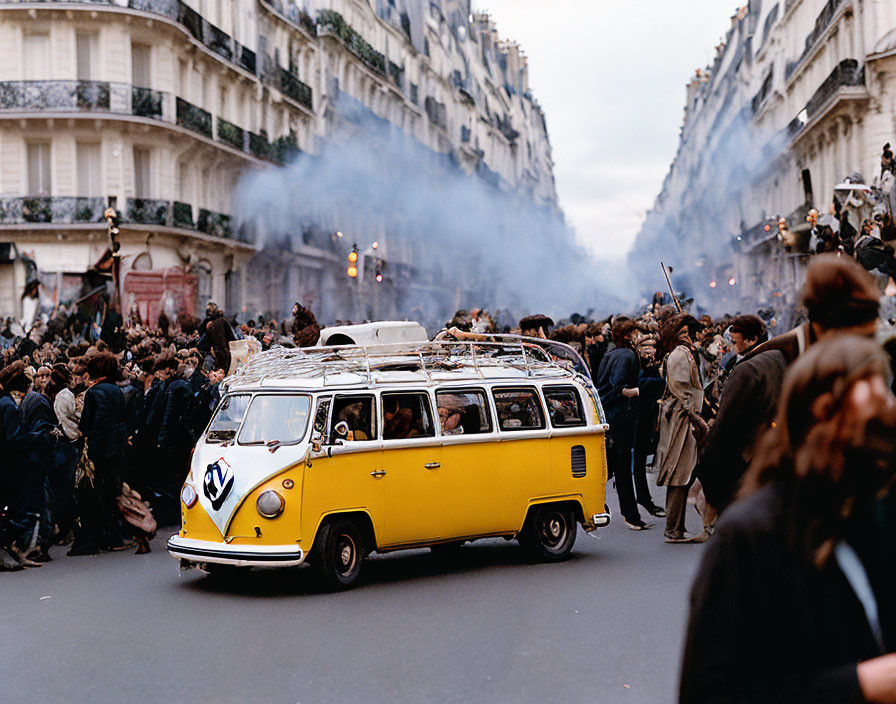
x=610 y=76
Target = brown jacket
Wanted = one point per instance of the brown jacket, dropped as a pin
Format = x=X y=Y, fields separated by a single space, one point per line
x=677 y=451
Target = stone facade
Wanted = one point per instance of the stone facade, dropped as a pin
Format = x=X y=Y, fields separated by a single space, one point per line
x=802 y=93
x=160 y=107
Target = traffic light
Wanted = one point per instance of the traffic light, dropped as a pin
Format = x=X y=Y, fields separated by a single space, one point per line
x=379 y=270
x=353 y=262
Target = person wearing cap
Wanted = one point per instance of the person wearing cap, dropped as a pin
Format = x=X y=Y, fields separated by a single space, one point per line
x=840 y=297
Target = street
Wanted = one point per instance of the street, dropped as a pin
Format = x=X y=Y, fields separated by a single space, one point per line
x=483 y=626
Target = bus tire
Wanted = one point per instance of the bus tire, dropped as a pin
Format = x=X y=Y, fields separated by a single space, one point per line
x=338 y=552
x=550 y=533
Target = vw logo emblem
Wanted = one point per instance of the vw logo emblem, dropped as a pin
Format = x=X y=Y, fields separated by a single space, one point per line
x=217 y=483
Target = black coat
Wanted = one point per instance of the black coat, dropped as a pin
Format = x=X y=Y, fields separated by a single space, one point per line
x=618 y=371
x=748 y=405
x=767 y=626
x=103 y=420
x=175 y=430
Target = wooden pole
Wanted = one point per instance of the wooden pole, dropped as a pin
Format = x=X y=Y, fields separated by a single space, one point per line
x=671 y=290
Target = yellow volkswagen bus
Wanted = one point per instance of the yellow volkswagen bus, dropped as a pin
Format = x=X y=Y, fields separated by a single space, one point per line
x=324 y=455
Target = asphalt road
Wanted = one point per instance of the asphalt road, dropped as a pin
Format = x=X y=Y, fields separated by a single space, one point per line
x=484 y=626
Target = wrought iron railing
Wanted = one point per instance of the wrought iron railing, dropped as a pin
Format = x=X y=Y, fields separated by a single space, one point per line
x=259 y=146
x=147 y=211
x=848 y=73
x=142 y=211
x=294 y=88
x=230 y=134
x=182 y=215
x=212 y=223
x=48 y=209
x=88 y=96
x=194 y=118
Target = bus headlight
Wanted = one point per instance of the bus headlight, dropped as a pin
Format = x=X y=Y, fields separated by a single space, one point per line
x=270 y=504
x=188 y=495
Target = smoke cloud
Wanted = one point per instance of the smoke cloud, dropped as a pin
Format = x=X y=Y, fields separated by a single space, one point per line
x=447 y=239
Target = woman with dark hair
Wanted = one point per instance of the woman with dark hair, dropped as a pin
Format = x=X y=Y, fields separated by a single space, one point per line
x=681 y=426
x=793 y=601
x=617 y=384
x=105 y=434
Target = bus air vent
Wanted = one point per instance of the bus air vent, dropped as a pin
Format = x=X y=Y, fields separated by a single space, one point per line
x=578 y=461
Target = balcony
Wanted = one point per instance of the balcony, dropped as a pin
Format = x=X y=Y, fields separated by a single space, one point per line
x=81 y=96
x=822 y=22
x=47 y=209
x=231 y=134
x=847 y=74
x=215 y=224
x=334 y=23
x=147 y=211
x=290 y=85
x=182 y=215
x=68 y=210
x=194 y=118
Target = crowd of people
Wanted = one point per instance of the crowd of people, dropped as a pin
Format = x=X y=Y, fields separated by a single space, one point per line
x=97 y=422
x=786 y=444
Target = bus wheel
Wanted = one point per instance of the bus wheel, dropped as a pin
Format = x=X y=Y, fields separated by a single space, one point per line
x=550 y=534
x=337 y=555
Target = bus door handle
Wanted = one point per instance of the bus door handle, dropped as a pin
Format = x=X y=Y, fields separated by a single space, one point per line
x=378 y=473
x=432 y=465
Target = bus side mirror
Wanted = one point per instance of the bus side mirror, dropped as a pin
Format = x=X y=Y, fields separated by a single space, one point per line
x=340 y=432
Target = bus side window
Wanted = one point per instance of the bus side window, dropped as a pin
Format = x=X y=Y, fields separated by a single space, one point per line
x=564 y=406
x=463 y=412
x=407 y=415
x=518 y=409
x=322 y=418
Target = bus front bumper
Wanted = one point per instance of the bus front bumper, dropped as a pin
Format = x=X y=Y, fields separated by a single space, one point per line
x=205 y=551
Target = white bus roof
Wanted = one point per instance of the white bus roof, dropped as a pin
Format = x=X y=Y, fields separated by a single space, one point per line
x=423 y=363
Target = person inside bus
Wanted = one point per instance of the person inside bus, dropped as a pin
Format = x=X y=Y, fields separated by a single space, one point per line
x=398 y=423
x=353 y=413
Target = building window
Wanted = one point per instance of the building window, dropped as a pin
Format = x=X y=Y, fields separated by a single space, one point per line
x=140 y=65
x=203 y=284
x=89 y=170
x=141 y=172
x=37 y=57
x=39 y=169
x=86 y=49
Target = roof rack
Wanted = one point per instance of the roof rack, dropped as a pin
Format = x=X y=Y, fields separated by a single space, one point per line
x=532 y=356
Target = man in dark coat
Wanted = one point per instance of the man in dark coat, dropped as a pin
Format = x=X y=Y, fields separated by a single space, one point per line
x=617 y=384
x=218 y=335
x=39 y=419
x=15 y=443
x=841 y=297
x=175 y=437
